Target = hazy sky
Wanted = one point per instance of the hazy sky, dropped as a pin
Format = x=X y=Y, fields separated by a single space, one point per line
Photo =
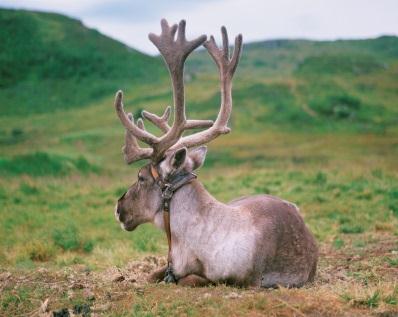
x=130 y=21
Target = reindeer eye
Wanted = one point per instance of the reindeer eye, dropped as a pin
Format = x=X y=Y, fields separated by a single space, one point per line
x=140 y=178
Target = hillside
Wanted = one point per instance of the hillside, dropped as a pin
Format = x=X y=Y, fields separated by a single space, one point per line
x=49 y=61
x=346 y=83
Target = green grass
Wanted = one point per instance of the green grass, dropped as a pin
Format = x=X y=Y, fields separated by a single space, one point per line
x=338 y=199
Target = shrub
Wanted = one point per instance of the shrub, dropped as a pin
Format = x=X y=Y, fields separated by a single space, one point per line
x=15 y=136
x=349 y=228
x=69 y=239
x=42 y=164
x=88 y=246
x=336 y=106
x=28 y=189
x=338 y=243
x=320 y=179
x=338 y=64
x=39 y=251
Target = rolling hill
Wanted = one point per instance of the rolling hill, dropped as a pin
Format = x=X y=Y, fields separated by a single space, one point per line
x=49 y=62
x=306 y=83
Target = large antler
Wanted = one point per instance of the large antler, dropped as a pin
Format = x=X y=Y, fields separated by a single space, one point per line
x=226 y=67
x=175 y=52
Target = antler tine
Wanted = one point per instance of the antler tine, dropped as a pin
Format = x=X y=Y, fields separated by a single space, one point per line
x=140 y=124
x=140 y=134
x=227 y=69
x=181 y=31
x=236 y=55
x=198 y=124
x=160 y=122
x=131 y=150
x=225 y=42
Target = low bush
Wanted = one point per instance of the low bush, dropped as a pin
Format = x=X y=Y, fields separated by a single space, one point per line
x=43 y=164
x=39 y=251
x=349 y=228
x=27 y=189
x=336 y=106
x=339 y=64
x=68 y=238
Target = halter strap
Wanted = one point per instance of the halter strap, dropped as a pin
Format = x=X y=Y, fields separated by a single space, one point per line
x=168 y=189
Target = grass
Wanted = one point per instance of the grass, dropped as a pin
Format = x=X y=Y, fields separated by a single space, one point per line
x=62 y=223
x=322 y=137
x=345 y=196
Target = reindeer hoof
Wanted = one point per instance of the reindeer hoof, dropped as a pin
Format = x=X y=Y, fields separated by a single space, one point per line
x=169 y=276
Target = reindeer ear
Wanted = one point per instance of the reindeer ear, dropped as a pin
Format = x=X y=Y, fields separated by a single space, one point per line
x=179 y=157
x=198 y=156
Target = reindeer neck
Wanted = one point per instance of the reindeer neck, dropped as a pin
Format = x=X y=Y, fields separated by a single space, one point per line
x=190 y=203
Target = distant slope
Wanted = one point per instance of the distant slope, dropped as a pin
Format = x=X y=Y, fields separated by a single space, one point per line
x=281 y=57
x=49 y=61
x=304 y=83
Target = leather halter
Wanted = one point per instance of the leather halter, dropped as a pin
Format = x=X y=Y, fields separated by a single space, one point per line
x=169 y=187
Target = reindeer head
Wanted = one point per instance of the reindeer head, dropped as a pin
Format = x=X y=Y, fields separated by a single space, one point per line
x=172 y=153
x=143 y=199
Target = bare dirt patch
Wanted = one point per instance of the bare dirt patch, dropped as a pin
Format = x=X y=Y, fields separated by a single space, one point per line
x=350 y=282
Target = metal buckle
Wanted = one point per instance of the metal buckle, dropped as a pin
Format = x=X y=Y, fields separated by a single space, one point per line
x=167 y=193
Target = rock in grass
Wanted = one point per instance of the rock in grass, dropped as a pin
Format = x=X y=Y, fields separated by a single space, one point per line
x=64 y=312
x=82 y=309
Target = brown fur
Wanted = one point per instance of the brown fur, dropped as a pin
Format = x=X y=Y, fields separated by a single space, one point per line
x=285 y=252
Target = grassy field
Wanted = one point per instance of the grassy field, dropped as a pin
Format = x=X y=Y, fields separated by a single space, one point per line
x=313 y=122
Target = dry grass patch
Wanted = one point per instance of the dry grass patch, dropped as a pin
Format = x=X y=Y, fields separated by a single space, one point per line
x=348 y=283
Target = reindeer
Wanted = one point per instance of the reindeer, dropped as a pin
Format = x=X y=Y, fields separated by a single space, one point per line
x=258 y=241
